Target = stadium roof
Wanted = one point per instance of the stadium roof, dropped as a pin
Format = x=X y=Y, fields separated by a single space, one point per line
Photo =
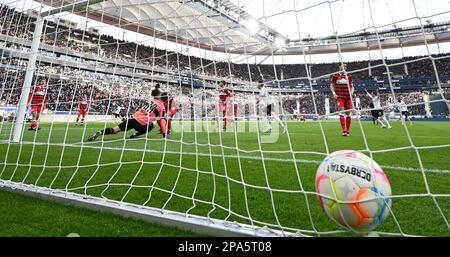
x=198 y=23
x=223 y=26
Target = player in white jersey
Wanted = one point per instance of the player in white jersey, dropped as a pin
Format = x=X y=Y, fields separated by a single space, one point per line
x=266 y=100
x=404 y=114
x=118 y=113
x=295 y=114
x=391 y=109
x=378 y=110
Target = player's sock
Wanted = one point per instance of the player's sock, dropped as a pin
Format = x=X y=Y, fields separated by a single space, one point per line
x=33 y=124
x=348 y=121
x=268 y=126
x=107 y=131
x=342 y=120
x=169 y=125
x=387 y=122
x=282 y=125
x=224 y=120
x=381 y=122
x=279 y=121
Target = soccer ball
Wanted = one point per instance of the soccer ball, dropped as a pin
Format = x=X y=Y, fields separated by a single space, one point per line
x=353 y=190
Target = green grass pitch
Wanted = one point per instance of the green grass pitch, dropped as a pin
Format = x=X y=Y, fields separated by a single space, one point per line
x=231 y=184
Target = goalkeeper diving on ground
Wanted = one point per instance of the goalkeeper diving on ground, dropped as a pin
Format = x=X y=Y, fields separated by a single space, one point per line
x=142 y=120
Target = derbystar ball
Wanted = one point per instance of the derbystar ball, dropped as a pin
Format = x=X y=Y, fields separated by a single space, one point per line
x=353 y=190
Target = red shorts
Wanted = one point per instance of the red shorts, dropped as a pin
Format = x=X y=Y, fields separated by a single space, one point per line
x=82 y=112
x=344 y=102
x=36 y=109
x=223 y=106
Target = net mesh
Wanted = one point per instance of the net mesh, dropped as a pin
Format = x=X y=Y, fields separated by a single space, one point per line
x=244 y=174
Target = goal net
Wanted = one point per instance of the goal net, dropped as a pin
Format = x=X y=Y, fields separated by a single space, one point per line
x=227 y=165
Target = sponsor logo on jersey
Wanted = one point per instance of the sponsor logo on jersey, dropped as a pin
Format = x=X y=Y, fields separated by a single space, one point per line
x=342 y=82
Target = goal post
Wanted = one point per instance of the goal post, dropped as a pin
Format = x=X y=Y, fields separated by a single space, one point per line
x=31 y=66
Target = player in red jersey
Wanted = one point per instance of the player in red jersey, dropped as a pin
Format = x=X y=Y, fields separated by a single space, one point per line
x=224 y=97
x=342 y=88
x=172 y=109
x=303 y=115
x=142 y=120
x=37 y=100
x=82 y=110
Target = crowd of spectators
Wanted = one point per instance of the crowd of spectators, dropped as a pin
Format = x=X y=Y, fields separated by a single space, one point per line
x=67 y=87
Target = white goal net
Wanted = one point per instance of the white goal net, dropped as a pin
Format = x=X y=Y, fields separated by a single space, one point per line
x=251 y=113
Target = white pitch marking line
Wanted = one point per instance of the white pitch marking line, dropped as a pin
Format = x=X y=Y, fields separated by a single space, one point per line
x=235 y=156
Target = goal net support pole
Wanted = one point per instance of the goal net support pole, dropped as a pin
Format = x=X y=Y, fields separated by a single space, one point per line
x=22 y=107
